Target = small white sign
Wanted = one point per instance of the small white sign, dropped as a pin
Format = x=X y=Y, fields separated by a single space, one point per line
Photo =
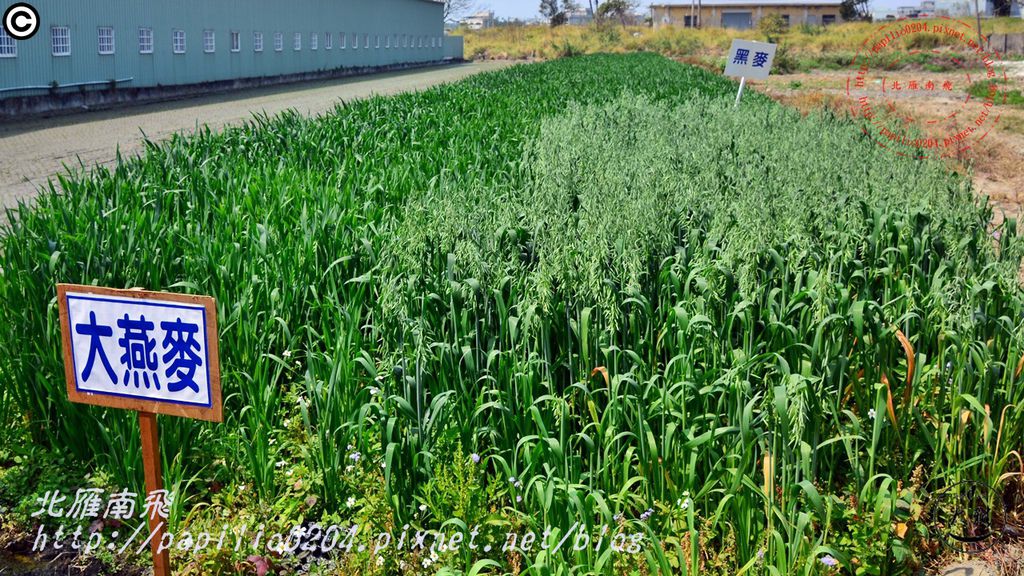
x=140 y=348
x=749 y=59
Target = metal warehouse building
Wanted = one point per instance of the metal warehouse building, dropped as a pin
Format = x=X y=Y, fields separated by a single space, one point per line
x=745 y=13
x=158 y=43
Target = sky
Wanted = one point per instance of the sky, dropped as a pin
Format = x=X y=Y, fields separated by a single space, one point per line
x=528 y=8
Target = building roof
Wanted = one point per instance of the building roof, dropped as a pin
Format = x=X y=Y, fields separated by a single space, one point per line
x=712 y=3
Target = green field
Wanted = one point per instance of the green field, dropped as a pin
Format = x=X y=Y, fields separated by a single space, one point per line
x=587 y=292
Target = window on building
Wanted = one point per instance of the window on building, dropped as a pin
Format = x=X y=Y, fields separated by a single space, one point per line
x=257 y=41
x=328 y=41
x=366 y=40
x=297 y=41
x=314 y=41
x=341 y=40
x=105 y=39
x=405 y=40
x=387 y=41
x=785 y=19
x=209 y=42
x=8 y=45
x=178 y=41
x=236 y=41
x=827 y=19
x=145 y=40
x=60 y=40
x=355 y=41
x=278 y=42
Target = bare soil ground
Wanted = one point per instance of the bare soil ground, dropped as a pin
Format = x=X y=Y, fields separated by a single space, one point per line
x=35 y=150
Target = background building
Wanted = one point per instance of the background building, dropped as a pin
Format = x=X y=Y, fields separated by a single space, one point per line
x=1015 y=9
x=744 y=13
x=149 y=43
x=579 y=17
x=479 y=21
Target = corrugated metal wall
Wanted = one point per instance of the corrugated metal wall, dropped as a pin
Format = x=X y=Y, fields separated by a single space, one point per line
x=383 y=22
x=454 y=47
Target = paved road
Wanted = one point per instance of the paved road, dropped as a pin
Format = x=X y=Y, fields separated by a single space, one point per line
x=33 y=151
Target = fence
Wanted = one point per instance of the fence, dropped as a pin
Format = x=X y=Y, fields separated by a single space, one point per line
x=1007 y=43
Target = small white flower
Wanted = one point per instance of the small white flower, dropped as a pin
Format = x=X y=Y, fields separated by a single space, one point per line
x=383 y=466
x=423 y=507
x=374 y=390
x=287 y=354
x=241 y=487
x=380 y=560
x=350 y=502
x=348 y=468
x=871 y=413
x=272 y=441
x=426 y=562
x=519 y=498
x=281 y=464
x=288 y=473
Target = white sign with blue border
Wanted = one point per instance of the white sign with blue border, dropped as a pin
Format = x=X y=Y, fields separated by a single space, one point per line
x=750 y=60
x=147 y=351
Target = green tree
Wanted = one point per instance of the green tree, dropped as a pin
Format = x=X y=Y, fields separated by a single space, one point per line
x=615 y=9
x=551 y=10
x=772 y=25
x=855 y=10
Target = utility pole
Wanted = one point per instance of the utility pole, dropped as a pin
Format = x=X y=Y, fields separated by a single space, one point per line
x=977 y=11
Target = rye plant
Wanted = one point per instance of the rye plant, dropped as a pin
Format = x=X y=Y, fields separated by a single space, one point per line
x=586 y=292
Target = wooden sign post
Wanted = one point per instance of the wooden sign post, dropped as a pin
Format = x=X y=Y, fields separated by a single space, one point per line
x=152 y=352
x=154 y=482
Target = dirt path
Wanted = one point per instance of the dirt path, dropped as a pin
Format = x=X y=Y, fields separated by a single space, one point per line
x=33 y=151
